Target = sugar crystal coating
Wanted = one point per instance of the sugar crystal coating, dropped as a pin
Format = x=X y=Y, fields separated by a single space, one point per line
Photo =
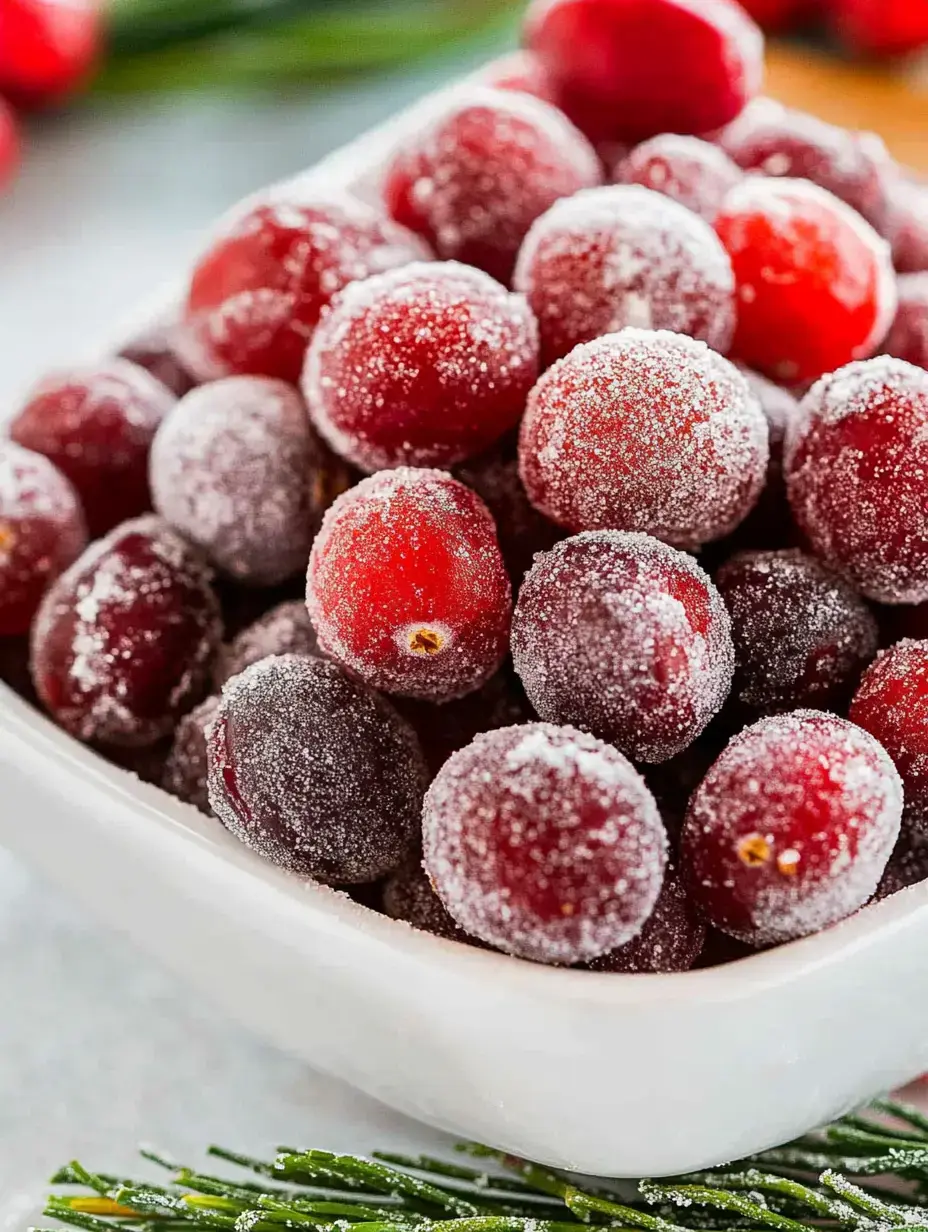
x=624 y=637
x=185 y=771
x=693 y=172
x=285 y=629
x=544 y=842
x=792 y=827
x=908 y=337
x=671 y=940
x=314 y=771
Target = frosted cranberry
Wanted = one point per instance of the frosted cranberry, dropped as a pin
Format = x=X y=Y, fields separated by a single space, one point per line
x=154 y=350
x=41 y=532
x=314 y=771
x=185 y=771
x=257 y=294
x=802 y=635
x=908 y=865
x=629 y=69
x=814 y=280
x=644 y=431
x=475 y=177
x=769 y=524
x=10 y=146
x=695 y=173
x=523 y=72
x=671 y=939
x=908 y=337
x=623 y=255
x=792 y=828
x=544 y=842
x=624 y=637
x=97 y=424
x=408 y=895
x=880 y=27
x=774 y=140
x=124 y=640
x=908 y=226
x=48 y=49
x=426 y=365
x=854 y=465
x=407 y=587
x=285 y=629
x=892 y=704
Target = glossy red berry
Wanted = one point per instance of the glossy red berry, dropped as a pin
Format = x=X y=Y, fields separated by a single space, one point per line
x=854 y=466
x=97 y=424
x=908 y=337
x=258 y=292
x=315 y=772
x=645 y=431
x=544 y=842
x=880 y=27
x=10 y=145
x=624 y=256
x=407 y=587
x=123 y=643
x=814 y=280
x=671 y=940
x=285 y=629
x=48 y=49
x=422 y=366
x=908 y=225
x=792 y=828
x=629 y=69
x=693 y=172
x=42 y=532
x=624 y=637
x=185 y=771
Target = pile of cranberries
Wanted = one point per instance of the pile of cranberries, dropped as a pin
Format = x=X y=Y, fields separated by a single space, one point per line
x=515 y=549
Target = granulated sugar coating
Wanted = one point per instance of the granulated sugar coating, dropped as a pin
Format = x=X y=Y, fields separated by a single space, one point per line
x=407 y=587
x=42 y=531
x=693 y=172
x=623 y=255
x=123 y=643
x=285 y=629
x=96 y=424
x=856 y=462
x=792 y=827
x=257 y=294
x=544 y=842
x=624 y=637
x=475 y=177
x=648 y=432
x=185 y=771
x=908 y=338
x=909 y=226
x=892 y=704
x=424 y=366
x=315 y=771
x=802 y=635
x=238 y=469
x=671 y=940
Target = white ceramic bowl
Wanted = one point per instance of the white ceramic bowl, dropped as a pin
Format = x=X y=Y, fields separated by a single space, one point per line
x=622 y=1075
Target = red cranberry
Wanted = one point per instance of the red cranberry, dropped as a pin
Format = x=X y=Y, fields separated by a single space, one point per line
x=97 y=424
x=425 y=365
x=523 y=72
x=908 y=226
x=48 y=49
x=314 y=771
x=792 y=828
x=776 y=15
x=644 y=431
x=854 y=466
x=545 y=843
x=815 y=283
x=407 y=587
x=802 y=635
x=10 y=145
x=622 y=636
x=908 y=338
x=623 y=255
x=257 y=294
x=41 y=532
x=629 y=69
x=408 y=895
x=695 y=173
x=892 y=704
x=671 y=940
x=285 y=629
x=477 y=175
x=154 y=350
x=185 y=771
x=124 y=640
x=908 y=865
x=880 y=27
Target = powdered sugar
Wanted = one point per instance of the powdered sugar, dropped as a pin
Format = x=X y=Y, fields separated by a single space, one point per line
x=285 y=629
x=693 y=172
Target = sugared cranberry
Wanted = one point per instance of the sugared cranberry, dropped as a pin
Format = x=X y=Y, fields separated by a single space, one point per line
x=47 y=49
x=97 y=424
x=880 y=27
x=523 y=72
x=314 y=771
x=624 y=637
x=908 y=338
x=855 y=462
x=908 y=865
x=908 y=226
x=185 y=771
x=123 y=643
x=41 y=532
x=769 y=524
x=644 y=431
x=802 y=635
x=154 y=350
x=814 y=280
x=624 y=255
x=407 y=587
x=629 y=69
x=892 y=704
x=238 y=470
x=475 y=177
x=285 y=629
x=792 y=828
x=671 y=940
x=10 y=145
x=544 y=842
x=408 y=895
x=696 y=173
x=257 y=294
x=425 y=365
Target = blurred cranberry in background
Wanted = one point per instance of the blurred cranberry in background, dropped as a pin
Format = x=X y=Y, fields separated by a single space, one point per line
x=48 y=48
x=880 y=27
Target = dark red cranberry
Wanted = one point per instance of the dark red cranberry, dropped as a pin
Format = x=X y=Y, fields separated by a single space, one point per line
x=671 y=939
x=185 y=771
x=696 y=173
x=285 y=629
x=908 y=338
